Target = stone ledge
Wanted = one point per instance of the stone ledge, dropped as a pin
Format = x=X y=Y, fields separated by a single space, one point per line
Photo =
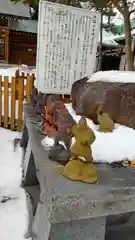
x=65 y=200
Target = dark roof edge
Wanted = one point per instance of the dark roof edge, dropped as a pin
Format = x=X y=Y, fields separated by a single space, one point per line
x=12 y=16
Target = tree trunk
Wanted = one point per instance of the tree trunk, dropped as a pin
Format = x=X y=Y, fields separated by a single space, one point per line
x=128 y=38
x=109 y=20
x=101 y=42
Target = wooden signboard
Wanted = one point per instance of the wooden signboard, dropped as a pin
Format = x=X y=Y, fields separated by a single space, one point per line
x=67 y=46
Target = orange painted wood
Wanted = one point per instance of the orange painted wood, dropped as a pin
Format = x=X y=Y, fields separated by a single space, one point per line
x=20 y=103
x=6 y=102
x=0 y=100
x=13 y=103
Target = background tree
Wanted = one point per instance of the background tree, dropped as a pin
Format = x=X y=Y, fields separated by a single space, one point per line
x=126 y=8
x=33 y=7
x=29 y=2
x=106 y=9
x=98 y=5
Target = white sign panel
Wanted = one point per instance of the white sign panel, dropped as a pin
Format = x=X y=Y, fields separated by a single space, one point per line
x=67 y=46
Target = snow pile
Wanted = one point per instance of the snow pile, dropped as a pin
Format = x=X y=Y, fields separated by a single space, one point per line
x=108 y=147
x=33 y=71
x=113 y=76
x=13 y=213
x=108 y=38
x=10 y=72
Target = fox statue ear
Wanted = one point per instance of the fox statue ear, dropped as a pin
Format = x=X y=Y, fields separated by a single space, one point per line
x=82 y=122
x=99 y=110
x=69 y=129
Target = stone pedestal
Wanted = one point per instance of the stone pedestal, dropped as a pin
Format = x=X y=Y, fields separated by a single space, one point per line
x=77 y=230
x=29 y=177
x=73 y=210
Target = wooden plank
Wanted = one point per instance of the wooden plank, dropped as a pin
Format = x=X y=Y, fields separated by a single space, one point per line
x=6 y=102
x=29 y=85
x=9 y=121
x=0 y=100
x=34 y=78
x=17 y=73
x=17 y=86
x=20 y=103
x=23 y=75
x=13 y=102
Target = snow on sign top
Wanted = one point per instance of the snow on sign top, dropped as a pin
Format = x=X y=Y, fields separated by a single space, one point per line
x=67 y=45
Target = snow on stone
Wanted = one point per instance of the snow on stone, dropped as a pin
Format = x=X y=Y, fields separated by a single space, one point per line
x=113 y=76
x=108 y=147
x=13 y=213
x=47 y=142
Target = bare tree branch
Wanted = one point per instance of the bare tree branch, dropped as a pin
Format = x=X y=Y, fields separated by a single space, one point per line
x=117 y=5
x=132 y=11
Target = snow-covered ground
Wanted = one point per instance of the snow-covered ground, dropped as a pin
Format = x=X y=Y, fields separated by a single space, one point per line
x=108 y=147
x=13 y=213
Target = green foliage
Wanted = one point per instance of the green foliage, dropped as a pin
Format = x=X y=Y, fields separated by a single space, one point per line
x=32 y=3
x=98 y=5
x=119 y=4
x=125 y=7
x=105 y=7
